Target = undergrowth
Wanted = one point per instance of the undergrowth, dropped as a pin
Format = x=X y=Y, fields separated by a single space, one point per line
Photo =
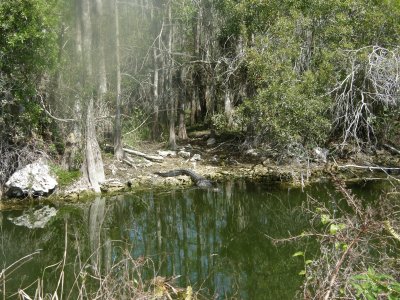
x=359 y=245
x=65 y=177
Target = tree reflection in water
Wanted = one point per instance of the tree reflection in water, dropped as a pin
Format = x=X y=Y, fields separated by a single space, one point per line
x=213 y=239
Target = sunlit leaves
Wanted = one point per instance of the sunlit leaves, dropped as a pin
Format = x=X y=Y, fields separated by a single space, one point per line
x=334 y=228
x=325 y=219
x=306 y=262
x=302 y=272
x=299 y=253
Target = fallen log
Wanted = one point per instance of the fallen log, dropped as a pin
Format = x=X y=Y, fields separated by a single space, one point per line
x=129 y=162
x=155 y=158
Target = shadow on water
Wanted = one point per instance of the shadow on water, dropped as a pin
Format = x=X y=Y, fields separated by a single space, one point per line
x=214 y=240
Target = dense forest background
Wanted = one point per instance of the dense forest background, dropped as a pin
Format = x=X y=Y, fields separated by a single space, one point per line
x=79 y=74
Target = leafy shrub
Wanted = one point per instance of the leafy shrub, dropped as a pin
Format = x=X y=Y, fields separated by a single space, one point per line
x=372 y=285
x=289 y=113
x=221 y=122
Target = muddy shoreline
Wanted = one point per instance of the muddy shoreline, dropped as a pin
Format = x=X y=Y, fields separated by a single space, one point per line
x=221 y=165
x=123 y=178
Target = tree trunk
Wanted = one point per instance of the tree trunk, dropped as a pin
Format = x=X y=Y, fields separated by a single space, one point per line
x=73 y=146
x=172 y=135
x=92 y=167
x=202 y=105
x=172 y=108
x=100 y=66
x=86 y=27
x=155 y=128
x=78 y=30
x=193 y=105
x=117 y=127
x=228 y=107
x=99 y=40
x=210 y=68
x=182 y=134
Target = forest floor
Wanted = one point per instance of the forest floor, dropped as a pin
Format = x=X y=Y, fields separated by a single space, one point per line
x=224 y=159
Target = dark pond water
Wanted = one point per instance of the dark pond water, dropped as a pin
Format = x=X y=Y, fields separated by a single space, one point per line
x=215 y=240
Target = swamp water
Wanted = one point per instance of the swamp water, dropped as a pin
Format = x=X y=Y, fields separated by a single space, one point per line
x=214 y=240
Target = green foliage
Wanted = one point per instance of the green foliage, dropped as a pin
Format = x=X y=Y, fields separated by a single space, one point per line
x=306 y=262
x=296 y=54
x=184 y=11
x=387 y=123
x=221 y=122
x=325 y=219
x=28 y=44
x=299 y=253
x=334 y=226
x=289 y=112
x=290 y=106
x=27 y=50
x=372 y=285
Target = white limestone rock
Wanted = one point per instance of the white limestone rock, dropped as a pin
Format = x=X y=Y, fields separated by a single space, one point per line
x=321 y=154
x=184 y=154
x=33 y=180
x=195 y=157
x=252 y=153
x=166 y=153
x=211 y=141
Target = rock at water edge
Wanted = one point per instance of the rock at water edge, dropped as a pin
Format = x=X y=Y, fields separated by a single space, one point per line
x=32 y=180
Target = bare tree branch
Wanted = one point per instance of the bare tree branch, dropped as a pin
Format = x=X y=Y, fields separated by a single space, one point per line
x=372 y=81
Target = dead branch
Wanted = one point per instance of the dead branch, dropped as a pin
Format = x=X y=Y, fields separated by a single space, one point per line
x=138 y=127
x=369 y=82
x=17 y=264
x=128 y=162
x=377 y=168
x=338 y=266
x=391 y=149
x=50 y=114
x=296 y=237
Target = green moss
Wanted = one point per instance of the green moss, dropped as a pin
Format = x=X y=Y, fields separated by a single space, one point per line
x=65 y=177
